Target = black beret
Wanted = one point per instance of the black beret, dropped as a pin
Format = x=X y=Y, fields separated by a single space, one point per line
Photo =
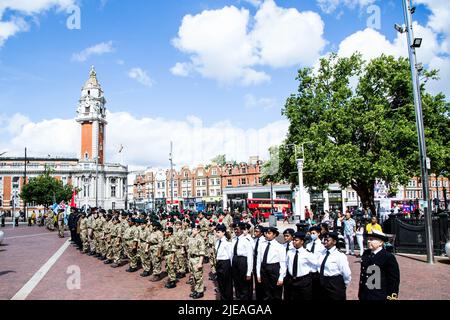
x=289 y=231
x=333 y=235
x=299 y=235
x=221 y=227
x=169 y=229
x=272 y=229
x=259 y=228
x=242 y=225
x=314 y=228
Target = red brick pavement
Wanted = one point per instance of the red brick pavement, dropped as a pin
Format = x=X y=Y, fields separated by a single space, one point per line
x=419 y=281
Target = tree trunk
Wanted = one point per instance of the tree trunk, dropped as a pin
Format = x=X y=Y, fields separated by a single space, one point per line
x=365 y=191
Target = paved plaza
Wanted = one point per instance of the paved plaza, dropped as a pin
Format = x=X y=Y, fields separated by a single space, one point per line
x=28 y=252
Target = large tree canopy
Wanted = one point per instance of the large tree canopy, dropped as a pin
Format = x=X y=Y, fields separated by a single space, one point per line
x=357 y=123
x=46 y=190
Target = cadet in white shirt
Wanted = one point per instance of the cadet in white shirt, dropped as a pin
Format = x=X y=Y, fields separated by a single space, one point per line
x=242 y=263
x=246 y=233
x=271 y=265
x=316 y=247
x=335 y=274
x=288 y=237
x=258 y=241
x=300 y=263
x=224 y=254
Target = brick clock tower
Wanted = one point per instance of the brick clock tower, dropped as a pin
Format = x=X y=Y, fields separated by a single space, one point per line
x=92 y=117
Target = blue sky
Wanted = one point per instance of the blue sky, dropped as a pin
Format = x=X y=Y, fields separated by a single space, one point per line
x=40 y=77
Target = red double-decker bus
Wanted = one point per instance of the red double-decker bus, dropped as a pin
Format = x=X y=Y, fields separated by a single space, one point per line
x=262 y=207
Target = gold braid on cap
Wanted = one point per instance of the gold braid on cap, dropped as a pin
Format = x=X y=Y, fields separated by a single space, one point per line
x=394 y=296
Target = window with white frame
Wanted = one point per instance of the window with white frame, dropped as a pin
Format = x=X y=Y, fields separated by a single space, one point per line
x=113 y=191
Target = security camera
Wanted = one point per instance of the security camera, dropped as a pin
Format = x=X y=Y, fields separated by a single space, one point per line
x=419 y=67
x=399 y=28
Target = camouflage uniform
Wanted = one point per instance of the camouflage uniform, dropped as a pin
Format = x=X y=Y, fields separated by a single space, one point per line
x=155 y=241
x=112 y=247
x=91 y=226
x=131 y=238
x=196 y=250
x=169 y=249
x=119 y=231
x=107 y=247
x=180 y=239
x=101 y=222
x=61 y=224
x=204 y=228
x=211 y=251
x=145 y=257
x=84 y=234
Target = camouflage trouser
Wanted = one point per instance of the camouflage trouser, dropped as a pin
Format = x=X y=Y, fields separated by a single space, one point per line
x=109 y=249
x=146 y=258
x=61 y=229
x=95 y=247
x=212 y=258
x=197 y=274
x=132 y=255
x=170 y=266
x=156 y=261
x=117 y=251
x=104 y=247
x=100 y=243
x=50 y=225
x=84 y=240
x=180 y=260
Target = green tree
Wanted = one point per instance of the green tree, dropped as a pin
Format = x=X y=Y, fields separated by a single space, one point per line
x=358 y=120
x=45 y=190
x=219 y=160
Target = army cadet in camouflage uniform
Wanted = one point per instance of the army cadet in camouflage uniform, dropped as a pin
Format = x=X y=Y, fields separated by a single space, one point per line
x=131 y=239
x=61 y=223
x=155 y=246
x=169 y=249
x=119 y=246
x=84 y=233
x=106 y=237
x=197 y=252
x=143 y=251
x=101 y=222
x=91 y=225
x=211 y=250
x=180 y=240
x=49 y=221
x=114 y=230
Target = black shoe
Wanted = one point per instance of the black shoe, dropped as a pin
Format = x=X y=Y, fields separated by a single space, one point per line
x=91 y=253
x=131 y=269
x=192 y=294
x=206 y=260
x=156 y=277
x=102 y=258
x=170 y=285
x=107 y=261
x=145 y=274
x=181 y=275
x=114 y=265
x=198 y=295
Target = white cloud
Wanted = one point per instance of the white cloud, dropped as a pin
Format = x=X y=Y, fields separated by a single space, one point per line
x=439 y=20
x=371 y=43
x=194 y=143
x=181 y=69
x=140 y=76
x=97 y=50
x=329 y=6
x=251 y=102
x=224 y=46
x=22 y=9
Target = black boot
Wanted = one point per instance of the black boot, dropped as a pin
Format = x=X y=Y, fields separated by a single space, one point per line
x=170 y=285
x=107 y=261
x=130 y=269
x=145 y=274
x=197 y=295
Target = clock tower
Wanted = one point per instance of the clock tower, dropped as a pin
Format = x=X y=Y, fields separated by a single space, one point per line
x=91 y=114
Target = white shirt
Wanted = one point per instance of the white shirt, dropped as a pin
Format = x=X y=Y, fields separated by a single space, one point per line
x=318 y=249
x=276 y=254
x=225 y=251
x=244 y=249
x=307 y=262
x=249 y=237
x=336 y=264
x=377 y=250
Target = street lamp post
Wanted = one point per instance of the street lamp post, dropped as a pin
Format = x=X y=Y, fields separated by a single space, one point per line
x=412 y=44
x=300 y=210
x=171 y=176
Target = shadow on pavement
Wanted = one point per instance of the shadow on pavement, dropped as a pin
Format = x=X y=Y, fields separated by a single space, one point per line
x=6 y=272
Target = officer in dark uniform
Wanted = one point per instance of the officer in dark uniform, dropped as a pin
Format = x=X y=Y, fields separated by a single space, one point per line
x=380 y=274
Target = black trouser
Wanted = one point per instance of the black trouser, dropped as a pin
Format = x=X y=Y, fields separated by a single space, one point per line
x=259 y=290
x=269 y=278
x=333 y=288
x=316 y=288
x=223 y=271
x=299 y=288
x=239 y=274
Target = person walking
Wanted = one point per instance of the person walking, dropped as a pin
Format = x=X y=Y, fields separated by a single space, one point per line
x=349 y=234
x=380 y=273
x=315 y=247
